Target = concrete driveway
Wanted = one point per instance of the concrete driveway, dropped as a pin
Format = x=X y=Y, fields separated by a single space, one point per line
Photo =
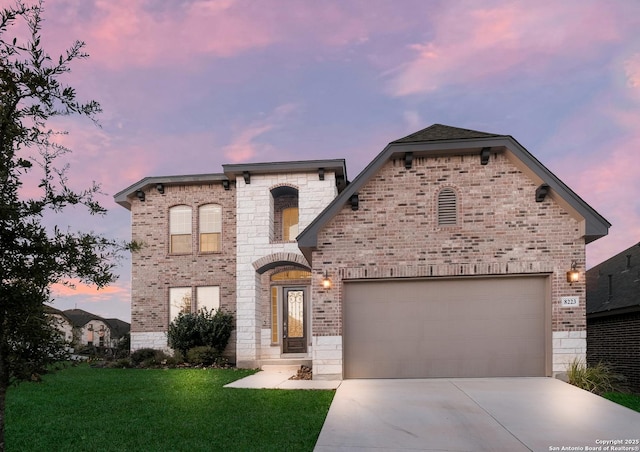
x=480 y=414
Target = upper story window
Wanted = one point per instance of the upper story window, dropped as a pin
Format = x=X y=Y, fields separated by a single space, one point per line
x=447 y=207
x=210 y=228
x=180 y=230
x=285 y=214
x=289 y=223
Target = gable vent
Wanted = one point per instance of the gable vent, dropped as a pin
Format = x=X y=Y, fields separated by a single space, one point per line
x=447 y=207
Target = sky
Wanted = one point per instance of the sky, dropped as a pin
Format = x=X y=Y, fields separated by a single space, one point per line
x=189 y=85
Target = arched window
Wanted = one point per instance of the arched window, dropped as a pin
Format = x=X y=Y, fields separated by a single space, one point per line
x=180 y=230
x=210 y=225
x=285 y=214
x=447 y=207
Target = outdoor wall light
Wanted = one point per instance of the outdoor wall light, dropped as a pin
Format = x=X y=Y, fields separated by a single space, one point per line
x=326 y=282
x=573 y=275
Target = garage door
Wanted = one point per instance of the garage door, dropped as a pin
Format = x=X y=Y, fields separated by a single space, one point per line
x=473 y=327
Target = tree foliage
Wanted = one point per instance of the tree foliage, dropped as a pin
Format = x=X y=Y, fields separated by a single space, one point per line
x=206 y=328
x=32 y=256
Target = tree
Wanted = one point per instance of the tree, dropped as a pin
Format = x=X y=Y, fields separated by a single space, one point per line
x=32 y=255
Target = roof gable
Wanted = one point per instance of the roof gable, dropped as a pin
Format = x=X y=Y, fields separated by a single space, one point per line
x=441 y=140
x=613 y=284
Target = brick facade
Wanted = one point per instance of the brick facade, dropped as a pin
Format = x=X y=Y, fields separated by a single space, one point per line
x=502 y=230
x=383 y=225
x=615 y=340
x=155 y=270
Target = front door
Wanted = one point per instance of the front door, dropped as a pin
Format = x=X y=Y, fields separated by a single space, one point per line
x=294 y=324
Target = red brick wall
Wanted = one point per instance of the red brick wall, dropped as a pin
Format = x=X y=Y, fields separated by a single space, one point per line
x=501 y=230
x=154 y=270
x=615 y=340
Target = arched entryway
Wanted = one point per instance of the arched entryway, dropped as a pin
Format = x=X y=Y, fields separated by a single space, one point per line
x=289 y=309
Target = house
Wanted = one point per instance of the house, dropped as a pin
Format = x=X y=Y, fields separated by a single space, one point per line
x=61 y=322
x=92 y=330
x=613 y=314
x=454 y=253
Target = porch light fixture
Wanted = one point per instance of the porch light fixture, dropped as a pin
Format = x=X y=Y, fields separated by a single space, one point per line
x=573 y=275
x=326 y=282
x=140 y=195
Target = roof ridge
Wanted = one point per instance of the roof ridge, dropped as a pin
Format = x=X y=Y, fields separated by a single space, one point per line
x=436 y=132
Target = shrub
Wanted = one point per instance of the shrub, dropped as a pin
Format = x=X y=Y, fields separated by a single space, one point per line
x=215 y=329
x=202 y=355
x=597 y=379
x=183 y=333
x=146 y=357
x=206 y=328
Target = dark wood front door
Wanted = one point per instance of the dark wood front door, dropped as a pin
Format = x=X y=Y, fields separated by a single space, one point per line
x=294 y=323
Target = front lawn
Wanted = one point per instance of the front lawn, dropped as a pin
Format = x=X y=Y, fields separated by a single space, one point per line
x=83 y=408
x=629 y=400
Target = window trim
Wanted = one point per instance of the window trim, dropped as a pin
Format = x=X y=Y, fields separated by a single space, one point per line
x=176 y=208
x=218 y=226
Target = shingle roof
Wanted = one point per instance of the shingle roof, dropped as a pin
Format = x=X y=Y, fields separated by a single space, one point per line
x=118 y=328
x=614 y=285
x=438 y=132
x=80 y=318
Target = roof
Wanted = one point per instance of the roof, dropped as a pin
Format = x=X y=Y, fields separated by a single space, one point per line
x=441 y=132
x=441 y=140
x=613 y=286
x=118 y=328
x=233 y=171
x=80 y=318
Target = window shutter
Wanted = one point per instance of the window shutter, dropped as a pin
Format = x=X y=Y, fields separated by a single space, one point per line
x=447 y=207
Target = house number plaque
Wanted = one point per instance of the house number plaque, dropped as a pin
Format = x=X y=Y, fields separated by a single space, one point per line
x=570 y=302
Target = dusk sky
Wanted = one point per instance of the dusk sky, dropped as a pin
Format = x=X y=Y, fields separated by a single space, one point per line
x=187 y=86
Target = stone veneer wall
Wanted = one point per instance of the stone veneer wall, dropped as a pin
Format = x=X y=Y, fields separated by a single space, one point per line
x=255 y=226
x=502 y=230
x=155 y=271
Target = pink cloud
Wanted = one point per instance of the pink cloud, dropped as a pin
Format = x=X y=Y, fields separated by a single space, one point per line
x=608 y=181
x=90 y=293
x=632 y=73
x=472 y=44
x=127 y=34
x=244 y=145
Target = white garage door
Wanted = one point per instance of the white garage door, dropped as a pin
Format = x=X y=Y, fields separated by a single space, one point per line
x=473 y=327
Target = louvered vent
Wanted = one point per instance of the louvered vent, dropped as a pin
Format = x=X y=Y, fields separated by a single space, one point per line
x=447 y=207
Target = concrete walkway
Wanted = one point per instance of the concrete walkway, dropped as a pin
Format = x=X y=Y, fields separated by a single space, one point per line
x=482 y=414
x=277 y=377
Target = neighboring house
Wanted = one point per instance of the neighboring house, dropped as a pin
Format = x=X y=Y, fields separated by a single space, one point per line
x=61 y=322
x=613 y=314
x=448 y=256
x=93 y=330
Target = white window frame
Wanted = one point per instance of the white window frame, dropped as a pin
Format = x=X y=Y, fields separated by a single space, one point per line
x=180 y=224
x=210 y=223
x=177 y=301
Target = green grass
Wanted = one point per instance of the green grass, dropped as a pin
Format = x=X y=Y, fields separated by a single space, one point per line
x=629 y=400
x=83 y=408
